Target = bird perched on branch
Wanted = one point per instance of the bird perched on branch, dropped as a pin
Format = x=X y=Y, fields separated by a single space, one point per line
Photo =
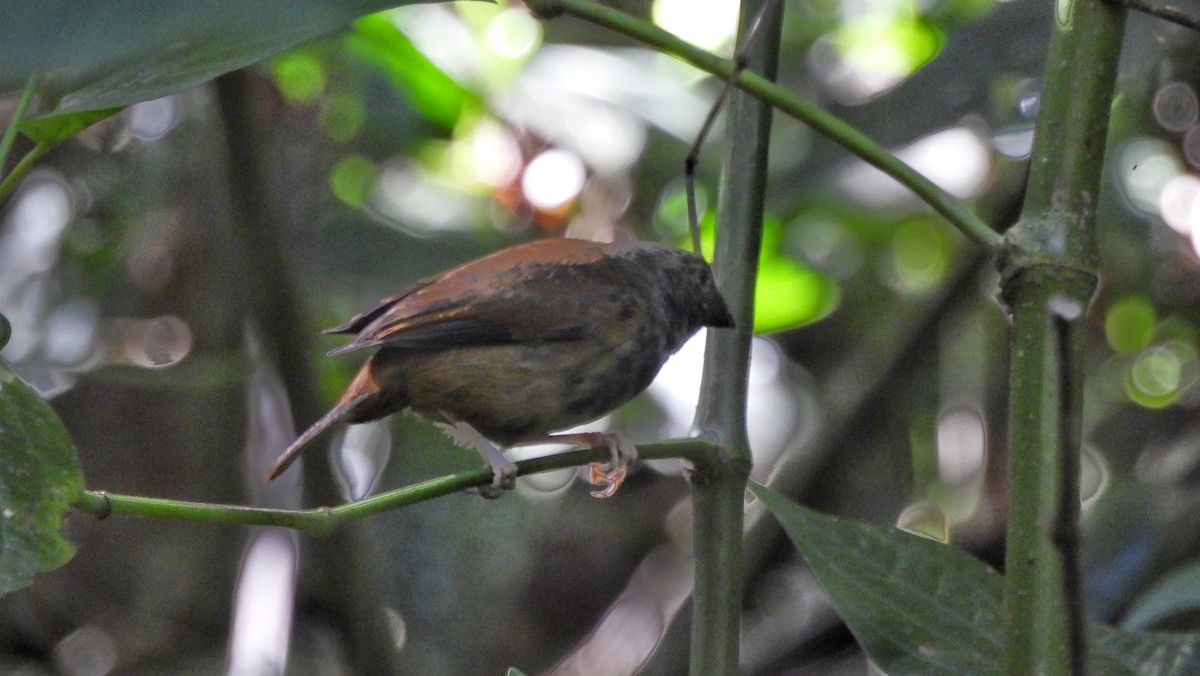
x=529 y=340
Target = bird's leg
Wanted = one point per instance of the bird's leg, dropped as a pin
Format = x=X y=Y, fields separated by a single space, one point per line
x=610 y=475
x=504 y=471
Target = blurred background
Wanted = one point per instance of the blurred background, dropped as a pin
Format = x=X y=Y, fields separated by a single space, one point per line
x=168 y=270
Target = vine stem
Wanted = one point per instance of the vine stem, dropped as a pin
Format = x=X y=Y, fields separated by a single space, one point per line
x=322 y=521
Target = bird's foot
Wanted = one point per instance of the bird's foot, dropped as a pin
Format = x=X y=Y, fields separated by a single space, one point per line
x=504 y=471
x=610 y=475
x=504 y=477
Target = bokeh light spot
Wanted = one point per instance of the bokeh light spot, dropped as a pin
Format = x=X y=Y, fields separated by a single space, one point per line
x=343 y=115
x=1129 y=324
x=155 y=343
x=299 y=75
x=150 y=120
x=1144 y=167
x=919 y=255
x=552 y=179
x=1179 y=203
x=487 y=155
x=350 y=179
x=671 y=216
x=513 y=34
x=1159 y=375
x=1175 y=106
x=788 y=294
x=708 y=24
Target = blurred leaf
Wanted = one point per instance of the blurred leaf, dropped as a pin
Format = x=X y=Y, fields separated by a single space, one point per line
x=39 y=479
x=112 y=53
x=1177 y=592
x=58 y=127
x=433 y=93
x=919 y=607
x=1143 y=652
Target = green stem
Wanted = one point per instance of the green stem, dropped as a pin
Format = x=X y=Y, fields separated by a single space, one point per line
x=323 y=520
x=719 y=488
x=10 y=133
x=827 y=124
x=14 y=177
x=1048 y=277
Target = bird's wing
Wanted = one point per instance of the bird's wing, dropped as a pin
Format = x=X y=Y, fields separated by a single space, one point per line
x=488 y=301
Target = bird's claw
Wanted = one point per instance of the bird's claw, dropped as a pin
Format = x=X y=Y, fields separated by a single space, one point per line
x=504 y=478
x=610 y=475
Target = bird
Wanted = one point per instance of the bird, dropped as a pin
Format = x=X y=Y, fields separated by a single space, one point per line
x=524 y=342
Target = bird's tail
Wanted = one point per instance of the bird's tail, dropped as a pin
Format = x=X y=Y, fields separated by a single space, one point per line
x=359 y=395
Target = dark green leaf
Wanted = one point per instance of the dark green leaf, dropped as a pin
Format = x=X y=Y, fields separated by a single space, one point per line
x=58 y=127
x=39 y=479
x=112 y=53
x=915 y=606
x=920 y=607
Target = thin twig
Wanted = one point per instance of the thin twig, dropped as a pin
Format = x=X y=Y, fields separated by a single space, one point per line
x=323 y=520
x=23 y=166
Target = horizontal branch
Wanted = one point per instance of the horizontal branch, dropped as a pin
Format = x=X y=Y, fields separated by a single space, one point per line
x=322 y=520
x=823 y=122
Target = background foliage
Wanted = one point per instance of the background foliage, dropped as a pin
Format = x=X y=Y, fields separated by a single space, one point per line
x=215 y=229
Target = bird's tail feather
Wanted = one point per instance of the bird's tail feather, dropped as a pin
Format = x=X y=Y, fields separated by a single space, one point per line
x=339 y=413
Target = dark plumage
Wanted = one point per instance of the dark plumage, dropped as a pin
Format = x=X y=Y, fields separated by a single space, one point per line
x=526 y=341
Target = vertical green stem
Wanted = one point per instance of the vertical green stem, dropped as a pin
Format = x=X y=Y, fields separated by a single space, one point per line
x=1042 y=600
x=1047 y=277
x=10 y=132
x=718 y=488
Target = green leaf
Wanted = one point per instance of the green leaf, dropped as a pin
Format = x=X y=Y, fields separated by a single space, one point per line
x=113 y=53
x=49 y=130
x=39 y=479
x=915 y=606
x=920 y=607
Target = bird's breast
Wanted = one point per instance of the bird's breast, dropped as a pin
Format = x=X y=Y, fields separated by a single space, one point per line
x=521 y=391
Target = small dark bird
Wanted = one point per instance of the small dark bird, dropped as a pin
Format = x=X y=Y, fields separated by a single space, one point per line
x=524 y=342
